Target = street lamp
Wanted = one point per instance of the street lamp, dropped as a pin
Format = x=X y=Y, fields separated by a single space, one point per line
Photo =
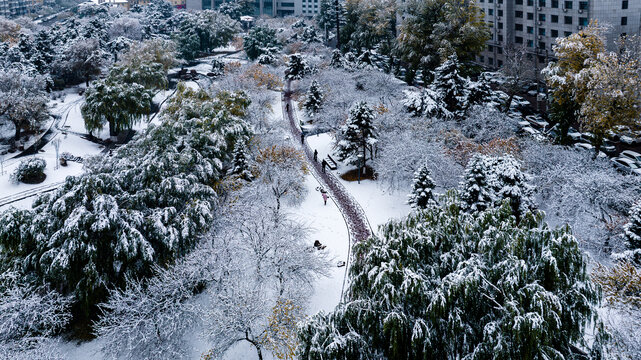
x=360 y=164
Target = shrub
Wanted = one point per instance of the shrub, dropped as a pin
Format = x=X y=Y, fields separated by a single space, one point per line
x=30 y=171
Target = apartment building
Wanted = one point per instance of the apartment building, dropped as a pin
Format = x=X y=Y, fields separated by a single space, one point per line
x=535 y=24
x=13 y=8
x=306 y=8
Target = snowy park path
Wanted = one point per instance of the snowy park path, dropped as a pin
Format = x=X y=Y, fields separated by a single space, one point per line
x=357 y=223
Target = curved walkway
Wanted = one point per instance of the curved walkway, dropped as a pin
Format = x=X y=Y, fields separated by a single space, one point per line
x=357 y=222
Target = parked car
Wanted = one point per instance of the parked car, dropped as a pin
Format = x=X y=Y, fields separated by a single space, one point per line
x=608 y=147
x=627 y=165
x=586 y=146
x=575 y=136
x=628 y=140
x=537 y=121
x=633 y=155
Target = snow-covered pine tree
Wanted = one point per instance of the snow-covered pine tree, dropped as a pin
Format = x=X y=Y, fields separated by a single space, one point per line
x=632 y=236
x=239 y=165
x=450 y=86
x=337 y=59
x=365 y=60
x=297 y=67
x=443 y=284
x=475 y=190
x=314 y=98
x=357 y=135
x=512 y=184
x=422 y=196
x=425 y=103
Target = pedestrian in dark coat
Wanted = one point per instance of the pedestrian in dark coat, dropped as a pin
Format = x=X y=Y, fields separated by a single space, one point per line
x=323 y=164
x=315 y=155
x=302 y=138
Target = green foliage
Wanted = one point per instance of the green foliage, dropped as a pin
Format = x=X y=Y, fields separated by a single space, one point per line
x=260 y=40
x=118 y=104
x=203 y=31
x=314 y=98
x=435 y=29
x=145 y=205
x=443 y=284
x=149 y=75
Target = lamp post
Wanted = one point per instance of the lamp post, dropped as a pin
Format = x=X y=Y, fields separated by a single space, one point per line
x=360 y=162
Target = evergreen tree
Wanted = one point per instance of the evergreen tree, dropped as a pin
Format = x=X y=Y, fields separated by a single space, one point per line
x=358 y=134
x=260 y=40
x=297 y=67
x=633 y=227
x=421 y=196
x=118 y=104
x=443 y=284
x=476 y=194
x=239 y=165
x=450 y=86
x=337 y=59
x=314 y=98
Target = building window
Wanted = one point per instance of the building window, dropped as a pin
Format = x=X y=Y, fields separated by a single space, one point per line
x=624 y=21
x=530 y=30
x=518 y=27
x=530 y=43
x=568 y=4
x=555 y=4
x=567 y=20
x=500 y=38
x=624 y=4
x=519 y=2
x=500 y=13
x=554 y=33
x=518 y=40
x=567 y=33
x=490 y=12
x=541 y=17
x=541 y=3
x=530 y=2
x=518 y=14
x=541 y=45
x=500 y=26
x=490 y=61
x=555 y=18
x=583 y=21
x=542 y=31
x=583 y=5
x=530 y=16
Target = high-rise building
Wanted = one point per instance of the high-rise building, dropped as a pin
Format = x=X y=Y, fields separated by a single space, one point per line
x=13 y=8
x=307 y=8
x=535 y=24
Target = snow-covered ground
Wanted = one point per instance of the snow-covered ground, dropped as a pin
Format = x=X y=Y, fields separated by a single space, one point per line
x=379 y=204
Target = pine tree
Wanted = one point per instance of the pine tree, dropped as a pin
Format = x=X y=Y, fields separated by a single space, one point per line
x=443 y=284
x=358 y=134
x=450 y=86
x=633 y=227
x=511 y=184
x=297 y=67
x=337 y=59
x=239 y=164
x=421 y=196
x=476 y=194
x=314 y=98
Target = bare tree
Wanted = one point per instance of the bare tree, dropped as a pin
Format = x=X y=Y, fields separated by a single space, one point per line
x=518 y=71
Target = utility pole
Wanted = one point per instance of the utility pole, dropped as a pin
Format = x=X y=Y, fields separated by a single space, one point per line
x=338 y=24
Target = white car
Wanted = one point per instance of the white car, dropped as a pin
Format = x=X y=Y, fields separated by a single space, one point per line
x=586 y=146
x=635 y=156
x=575 y=136
x=627 y=165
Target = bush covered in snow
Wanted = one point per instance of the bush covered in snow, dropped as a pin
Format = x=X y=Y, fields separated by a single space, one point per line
x=30 y=171
x=444 y=284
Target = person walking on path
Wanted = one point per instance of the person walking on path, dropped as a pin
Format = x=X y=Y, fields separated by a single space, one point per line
x=315 y=155
x=287 y=107
x=325 y=197
x=302 y=138
x=323 y=164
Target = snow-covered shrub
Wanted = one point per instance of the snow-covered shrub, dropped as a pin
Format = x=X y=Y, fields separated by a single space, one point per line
x=484 y=124
x=445 y=284
x=217 y=67
x=267 y=58
x=30 y=171
x=575 y=189
x=29 y=310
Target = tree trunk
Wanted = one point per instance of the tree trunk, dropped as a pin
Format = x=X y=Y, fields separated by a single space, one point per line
x=508 y=103
x=112 y=128
x=18 y=128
